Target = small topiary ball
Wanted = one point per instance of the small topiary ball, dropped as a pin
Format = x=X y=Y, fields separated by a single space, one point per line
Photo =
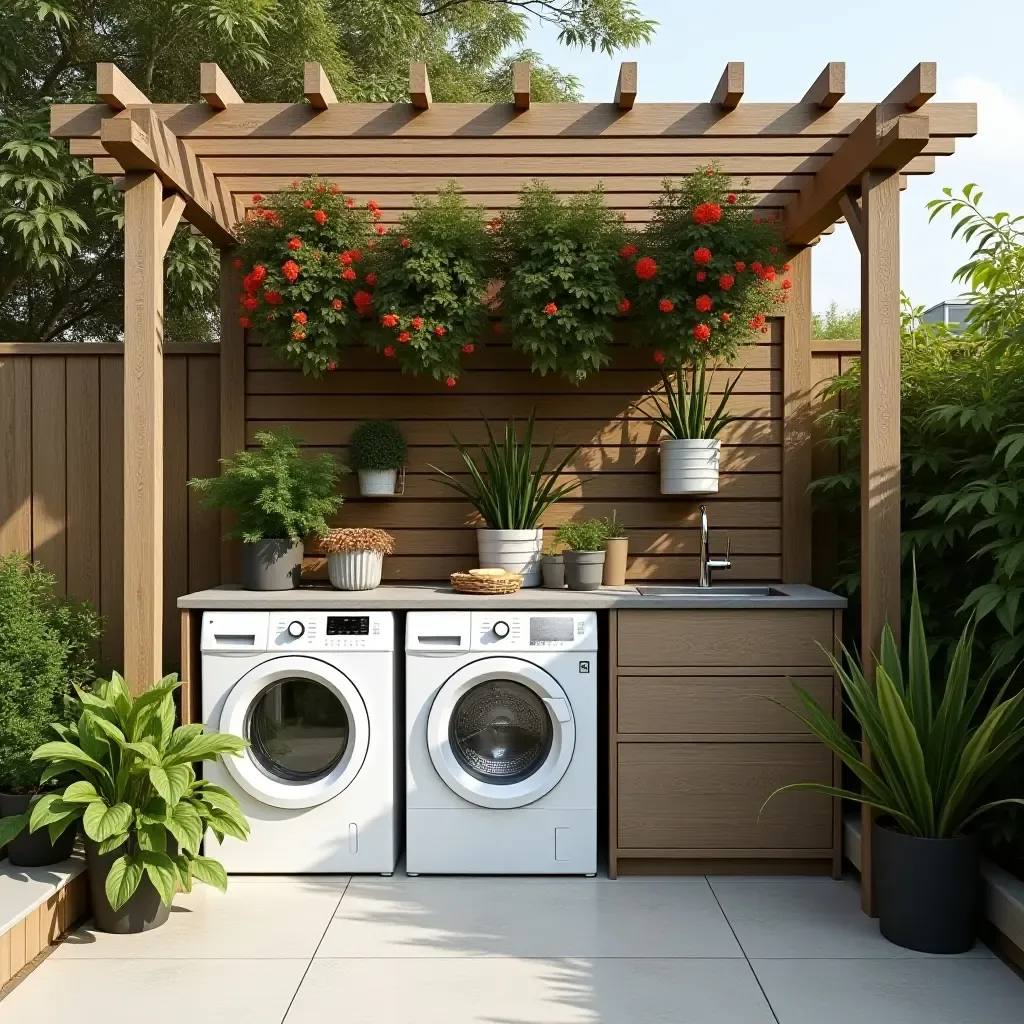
x=377 y=444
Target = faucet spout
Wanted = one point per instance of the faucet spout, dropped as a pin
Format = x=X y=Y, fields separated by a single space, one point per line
x=707 y=563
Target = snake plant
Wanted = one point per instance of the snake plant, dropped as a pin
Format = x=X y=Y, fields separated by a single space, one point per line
x=683 y=415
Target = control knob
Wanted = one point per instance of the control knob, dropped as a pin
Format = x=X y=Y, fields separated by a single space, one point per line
x=296 y=629
x=500 y=629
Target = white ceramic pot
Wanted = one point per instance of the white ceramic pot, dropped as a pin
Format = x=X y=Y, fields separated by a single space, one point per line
x=355 y=570
x=375 y=482
x=512 y=550
x=690 y=466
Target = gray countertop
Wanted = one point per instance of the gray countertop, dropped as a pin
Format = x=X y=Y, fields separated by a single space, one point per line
x=440 y=596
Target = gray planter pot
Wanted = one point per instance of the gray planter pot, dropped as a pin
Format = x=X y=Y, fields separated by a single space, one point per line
x=142 y=913
x=271 y=564
x=553 y=569
x=34 y=849
x=584 y=569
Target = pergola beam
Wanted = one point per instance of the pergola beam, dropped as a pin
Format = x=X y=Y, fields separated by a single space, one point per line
x=116 y=90
x=521 y=85
x=729 y=90
x=917 y=88
x=829 y=87
x=317 y=86
x=419 y=86
x=878 y=143
x=625 y=87
x=215 y=87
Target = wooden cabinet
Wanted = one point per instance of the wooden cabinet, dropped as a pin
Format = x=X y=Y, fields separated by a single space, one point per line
x=697 y=743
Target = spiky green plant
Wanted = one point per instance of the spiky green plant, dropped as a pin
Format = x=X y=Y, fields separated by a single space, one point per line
x=505 y=490
x=683 y=414
x=935 y=750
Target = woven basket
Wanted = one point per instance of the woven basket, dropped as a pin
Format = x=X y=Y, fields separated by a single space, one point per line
x=478 y=583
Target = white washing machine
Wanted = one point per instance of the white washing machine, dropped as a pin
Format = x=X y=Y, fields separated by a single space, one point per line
x=314 y=693
x=501 y=738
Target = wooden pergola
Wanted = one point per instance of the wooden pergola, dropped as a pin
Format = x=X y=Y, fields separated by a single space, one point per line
x=813 y=162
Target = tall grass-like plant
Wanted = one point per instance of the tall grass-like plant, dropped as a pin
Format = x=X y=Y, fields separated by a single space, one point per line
x=505 y=489
x=936 y=747
x=684 y=412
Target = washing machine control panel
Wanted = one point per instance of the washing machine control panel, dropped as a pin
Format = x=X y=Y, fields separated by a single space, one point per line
x=534 y=631
x=332 y=631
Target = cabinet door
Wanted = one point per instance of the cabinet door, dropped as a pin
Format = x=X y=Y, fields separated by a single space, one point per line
x=694 y=796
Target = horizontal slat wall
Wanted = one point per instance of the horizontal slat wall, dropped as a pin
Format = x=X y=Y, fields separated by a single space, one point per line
x=61 y=490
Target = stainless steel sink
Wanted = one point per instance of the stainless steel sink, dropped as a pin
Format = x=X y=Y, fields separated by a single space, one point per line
x=708 y=593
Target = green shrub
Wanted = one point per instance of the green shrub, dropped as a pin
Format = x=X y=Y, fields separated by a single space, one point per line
x=47 y=645
x=377 y=444
x=583 y=535
x=614 y=528
x=274 y=491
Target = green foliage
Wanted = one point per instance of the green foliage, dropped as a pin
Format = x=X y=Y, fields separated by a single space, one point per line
x=614 y=528
x=303 y=249
x=506 y=491
x=273 y=490
x=432 y=272
x=583 y=535
x=937 y=746
x=377 y=444
x=47 y=646
x=128 y=774
x=704 y=273
x=562 y=278
x=835 y=324
x=684 y=411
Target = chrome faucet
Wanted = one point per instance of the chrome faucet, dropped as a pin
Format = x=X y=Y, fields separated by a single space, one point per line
x=707 y=563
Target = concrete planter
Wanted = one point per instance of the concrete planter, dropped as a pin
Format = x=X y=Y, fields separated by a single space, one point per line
x=616 y=549
x=584 y=570
x=271 y=564
x=516 y=551
x=690 y=465
x=355 y=570
x=553 y=569
x=376 y=483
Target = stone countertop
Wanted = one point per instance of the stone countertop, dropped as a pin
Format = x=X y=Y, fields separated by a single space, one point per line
x=440 y=596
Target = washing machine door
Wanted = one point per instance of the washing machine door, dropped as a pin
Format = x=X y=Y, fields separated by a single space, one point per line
x=501 y=732
x=307 y=728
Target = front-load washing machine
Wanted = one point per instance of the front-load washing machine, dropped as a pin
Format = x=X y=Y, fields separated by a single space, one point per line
x=501 y=743
x=314 y=693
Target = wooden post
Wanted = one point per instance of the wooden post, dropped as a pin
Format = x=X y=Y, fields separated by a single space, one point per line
x=880 y=437
x=232 y=394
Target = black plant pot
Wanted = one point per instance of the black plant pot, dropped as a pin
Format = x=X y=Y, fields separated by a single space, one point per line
x=34 y=849
x=142 y=913
x=927 y=890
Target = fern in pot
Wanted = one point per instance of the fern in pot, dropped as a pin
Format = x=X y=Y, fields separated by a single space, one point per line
x=278 y=497
x=584 y=552
x=377 y=451
x=511 y=495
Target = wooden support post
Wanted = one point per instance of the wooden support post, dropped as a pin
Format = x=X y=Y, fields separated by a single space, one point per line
x=232 y=396
x=148 y=225
x=880 y=438
x=419 y=86
x=521 y=84
x=625 y=87
x=729 y=91
x=317 y=86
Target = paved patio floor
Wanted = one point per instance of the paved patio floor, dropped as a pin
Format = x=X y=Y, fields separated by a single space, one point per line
x=515 y=951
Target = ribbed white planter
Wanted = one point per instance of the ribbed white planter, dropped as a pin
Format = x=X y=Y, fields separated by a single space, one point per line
x=355 y=570
x=690 y=466
x=512 y=550
x=377 y=482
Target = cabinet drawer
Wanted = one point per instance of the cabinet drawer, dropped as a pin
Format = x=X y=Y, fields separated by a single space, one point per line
x=732 y=638
x=692 y=796
x=714 y=704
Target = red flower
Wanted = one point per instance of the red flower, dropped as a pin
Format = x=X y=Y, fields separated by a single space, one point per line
x=768 y=274
x=726 y=281
x=764 y=330
x=258 y=273
x=774 y=249
x=290 y=270
x=756 y=267
x=666 y=305
x=731 y=198
x=725 y=317
x=417 y=322
x=496 y=327
x=237 y=264
x=406 y=243
x=337 y=304
x=307 y=203
x=389 y=320
x=362 y=300
x=380 y=229
x=659 y=357
x=707 y=213
x=294 y=244
x=356 y=255
x=371 y=204
x=350 y=202
x=439 y=331
x=757 y=220
x=450 y=381
x=404 y=337
x=320 y=217
x=257 y=199
x=332 y=367
x=551 y=309
x=298 y=335
x=757 y=322
x=740 y=266
x=244 y=321
x=348 y=274
x=701 y=332
x=300 y=317
x=334 y=189
x=646 y=268
x=708 y=171
x=703 y=303
x=624 y=305
x=272 y=298
x=376 y=214
x=787 y=284
x=468 y=349
x=250 y=302
x=627 y=251
x=389 y=351
x=785 y=268
x=702 y=255
x=345 y=258
x=371 y=278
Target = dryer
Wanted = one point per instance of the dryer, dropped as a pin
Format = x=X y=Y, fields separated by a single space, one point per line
x=501 y=741
x=314 y=694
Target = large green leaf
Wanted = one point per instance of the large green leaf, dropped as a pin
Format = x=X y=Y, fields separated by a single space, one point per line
x=101 y=822
x=122 y=880
x=60 y=750
x=12 y=826
x=207 y=747
x=186 y=825
x=171 y=782
x=50 y=807
x=162 y=872
x=210 y=871
x=80 y=792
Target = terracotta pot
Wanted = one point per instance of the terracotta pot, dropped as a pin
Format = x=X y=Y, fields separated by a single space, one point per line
x=615 y=552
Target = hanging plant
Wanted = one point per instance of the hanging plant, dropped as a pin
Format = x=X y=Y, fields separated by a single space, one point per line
x=563 y=282
x=706 y=273
x=306 y=285
x=431 y=274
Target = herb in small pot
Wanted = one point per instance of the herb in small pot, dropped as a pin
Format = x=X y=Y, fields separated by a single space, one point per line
x=377 y=451
x=584 y=556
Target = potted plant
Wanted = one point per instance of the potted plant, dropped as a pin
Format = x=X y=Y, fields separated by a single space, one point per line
x=278 y=498
x=616 y=550
x=584 y=555
x=690 y=451
x=47 y=644
x=553 y=568
x=355 y=558
x=936 y=747
x=127 y=774
x=511 y=497
x=377 y=451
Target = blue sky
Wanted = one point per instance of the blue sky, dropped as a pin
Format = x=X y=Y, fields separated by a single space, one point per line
x=785 y=46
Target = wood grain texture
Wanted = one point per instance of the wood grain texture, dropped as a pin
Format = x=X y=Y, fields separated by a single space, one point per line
x=204 y=525
x=82 y=429
x=176 y=501
x=829 y=87
x=232 y=390
x=419 y=85
x=115 y=89
x=625 y=86
x=317 y=87
x=15 y=454
x=49 y=467
x=521 y=85
x=112 y=506
x=729 y=90
x=215 y=87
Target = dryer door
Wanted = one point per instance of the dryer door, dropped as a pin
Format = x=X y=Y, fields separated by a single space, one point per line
x=501 y=732
x=307 y=728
